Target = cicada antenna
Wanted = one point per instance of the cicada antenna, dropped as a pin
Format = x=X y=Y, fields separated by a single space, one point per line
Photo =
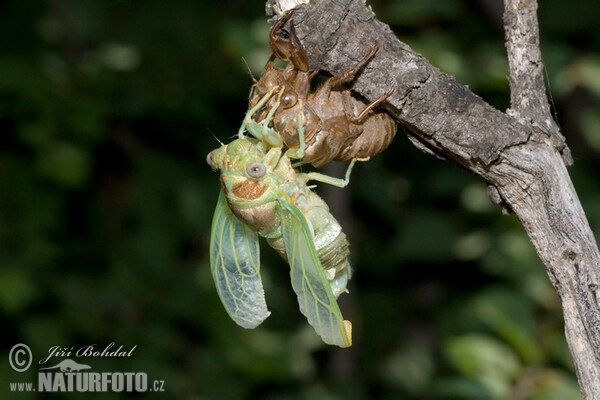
x=249 y=71
x=215 y=136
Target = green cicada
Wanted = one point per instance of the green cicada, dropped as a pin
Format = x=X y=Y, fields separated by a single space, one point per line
x=263 y=195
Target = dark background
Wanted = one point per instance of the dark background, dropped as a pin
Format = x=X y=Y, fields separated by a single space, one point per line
x=106 y=109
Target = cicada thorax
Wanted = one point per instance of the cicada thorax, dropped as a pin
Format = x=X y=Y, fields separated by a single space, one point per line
x=255 y=204
x=262 y=218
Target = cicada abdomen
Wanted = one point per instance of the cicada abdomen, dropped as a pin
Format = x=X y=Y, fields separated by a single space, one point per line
x=330 y=241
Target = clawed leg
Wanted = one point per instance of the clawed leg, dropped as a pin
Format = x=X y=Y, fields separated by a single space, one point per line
x=288 y=50
x=261 y=130
x=299 y=152
x=373 y=104
x=315 y=176
x=349 y=74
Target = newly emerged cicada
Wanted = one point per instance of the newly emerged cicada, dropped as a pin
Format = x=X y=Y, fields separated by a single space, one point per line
x=263 y=195
x=338 y=126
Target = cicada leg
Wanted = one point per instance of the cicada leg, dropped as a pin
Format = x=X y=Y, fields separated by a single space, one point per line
x=372 y=105
x=299 y=152
x=315 y=176
x=261 y=130
x=288 y=50
x=345 y=76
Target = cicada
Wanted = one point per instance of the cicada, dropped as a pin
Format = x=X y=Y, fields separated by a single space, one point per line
x=338 y=126
x=263 y=195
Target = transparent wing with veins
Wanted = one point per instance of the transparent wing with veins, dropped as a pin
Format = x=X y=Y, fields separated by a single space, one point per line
x=315 y=298
x=235 y=266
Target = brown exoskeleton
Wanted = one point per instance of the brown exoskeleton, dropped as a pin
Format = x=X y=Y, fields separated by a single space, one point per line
x=337 y=126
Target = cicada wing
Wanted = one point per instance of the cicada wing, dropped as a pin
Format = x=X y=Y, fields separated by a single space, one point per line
x=315 y=297
x=235 y=266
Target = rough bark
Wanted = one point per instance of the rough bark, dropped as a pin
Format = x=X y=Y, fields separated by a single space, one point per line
x=520 y=153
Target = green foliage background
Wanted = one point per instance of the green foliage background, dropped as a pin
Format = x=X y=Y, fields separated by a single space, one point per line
x=106 y=109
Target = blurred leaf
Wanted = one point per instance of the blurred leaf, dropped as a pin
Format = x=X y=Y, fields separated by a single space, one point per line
x=414 y=12
x=590 y=128
x=474 y=198
x=65 y=164
x=510 y=315
x=411 y=368
x=421 y=224
x=554 y=385
x=484 y=359
x=120 y=57
x=459 y=388
x=583 y=72
x=472 y=245
x=16 y=292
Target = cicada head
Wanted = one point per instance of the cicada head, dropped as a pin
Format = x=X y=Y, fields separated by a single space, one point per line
x=247 y=176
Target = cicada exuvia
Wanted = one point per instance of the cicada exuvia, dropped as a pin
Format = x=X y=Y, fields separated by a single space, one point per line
x=337 y=125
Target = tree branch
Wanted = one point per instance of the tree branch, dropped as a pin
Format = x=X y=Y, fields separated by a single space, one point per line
x=519 y=153
x=528 y=100
x=527 y=91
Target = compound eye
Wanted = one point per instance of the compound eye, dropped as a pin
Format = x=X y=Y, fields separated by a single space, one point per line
x=288 y=100
x=209 y=160
x=256 y=170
